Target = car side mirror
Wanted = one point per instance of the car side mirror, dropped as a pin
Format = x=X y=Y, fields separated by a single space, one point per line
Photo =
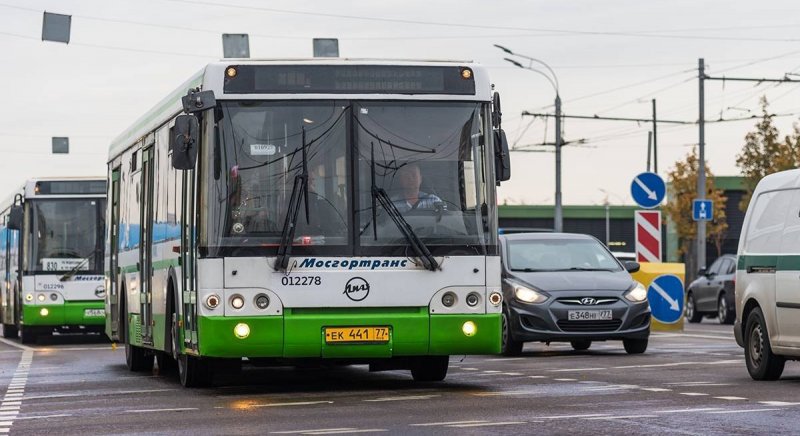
x=502 y=157
x=702 y=272
x=15 y=216
x=631 y=266
x=185 y=142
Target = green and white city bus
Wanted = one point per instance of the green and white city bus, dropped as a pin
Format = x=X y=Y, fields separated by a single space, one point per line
x=322 y=210
x=51 y=257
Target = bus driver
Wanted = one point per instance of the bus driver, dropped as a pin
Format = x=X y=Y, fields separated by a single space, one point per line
x=411 y=197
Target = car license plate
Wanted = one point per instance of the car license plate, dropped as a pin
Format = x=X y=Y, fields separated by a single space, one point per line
x=94 y=312
x=588 y=315
x=343 y=335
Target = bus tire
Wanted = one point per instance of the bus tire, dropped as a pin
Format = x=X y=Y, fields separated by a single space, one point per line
x=28 y=335
x=762 y=364
x=430 y=368
x=10 y=331
x=136 y=358
x=194 y=372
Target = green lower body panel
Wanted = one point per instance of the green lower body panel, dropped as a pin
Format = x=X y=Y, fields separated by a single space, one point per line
x=67 y=314
x=300 y=333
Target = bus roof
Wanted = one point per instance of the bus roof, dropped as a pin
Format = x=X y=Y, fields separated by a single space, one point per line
x=211 y=77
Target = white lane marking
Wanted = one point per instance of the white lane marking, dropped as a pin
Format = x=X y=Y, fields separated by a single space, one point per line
x=693 y=394
x=174 y=409
x=565 y=379
x=297 y=403
x=743 y=411
x=143 y=391
x=12 y=402
x=730 y=398
x=577 y=369
x=366 y=430
x=621 y=417
x=470 y=369
x=699 y=409
x=590 y=415
x=16 y=345
x=62 y=415
x=692 y=335
x=404 y=398
x=484 y=424
x=306 y=431
x=430 y=424
x=778 y=403
x=537 y=376
x=500 y=394
x=656 y=389
x=491 y=371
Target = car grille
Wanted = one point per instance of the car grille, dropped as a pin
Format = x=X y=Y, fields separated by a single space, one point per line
x=576 y=301
x=589 y=326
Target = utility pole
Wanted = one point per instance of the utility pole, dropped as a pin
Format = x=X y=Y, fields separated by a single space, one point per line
x=649 y=145
x=558 y=216
x=701 y=165
x=655 y=139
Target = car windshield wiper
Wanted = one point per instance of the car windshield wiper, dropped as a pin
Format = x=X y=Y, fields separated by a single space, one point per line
x=300 y=187
x=71 y=273
x=416 y=244
x=527 y=269
x=578 y=268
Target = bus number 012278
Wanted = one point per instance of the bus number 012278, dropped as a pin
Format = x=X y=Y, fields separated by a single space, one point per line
x=301 y=280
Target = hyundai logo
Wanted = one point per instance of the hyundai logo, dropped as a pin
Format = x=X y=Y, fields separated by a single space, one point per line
x=588 y=301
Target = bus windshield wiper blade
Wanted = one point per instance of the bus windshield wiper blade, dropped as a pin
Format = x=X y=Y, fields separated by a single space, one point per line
x=382 y=197
x=71 y=273
x=290 y=221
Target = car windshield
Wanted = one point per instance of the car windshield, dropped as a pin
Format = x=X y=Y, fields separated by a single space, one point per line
x=560 y=255
x=64 y=235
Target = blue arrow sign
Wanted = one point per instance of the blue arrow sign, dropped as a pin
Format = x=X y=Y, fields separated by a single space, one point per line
x=702 y=210
x=665 y=294
x=648 y=190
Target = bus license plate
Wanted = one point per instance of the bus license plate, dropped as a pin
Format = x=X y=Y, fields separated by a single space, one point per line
x=588 y=315
x=94 y=312
x=343 y=335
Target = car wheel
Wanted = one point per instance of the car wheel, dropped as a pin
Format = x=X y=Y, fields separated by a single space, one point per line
x=692 y=315
x=762 y=364
x=581 y=344
x=724 y=312
x=510 y=347
x=635 y=346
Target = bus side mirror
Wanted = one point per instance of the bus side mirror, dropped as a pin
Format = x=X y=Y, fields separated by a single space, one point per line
x=502 y=157
x=15 y=218
x=185 y=142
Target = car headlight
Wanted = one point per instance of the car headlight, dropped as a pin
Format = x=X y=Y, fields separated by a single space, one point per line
x=637 y=294
x=528 y=295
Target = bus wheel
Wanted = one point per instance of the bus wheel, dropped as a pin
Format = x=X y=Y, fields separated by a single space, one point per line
x=28 y=335
x=137 y=358
x=194 y=372
x=9 y=331
x=430 y=368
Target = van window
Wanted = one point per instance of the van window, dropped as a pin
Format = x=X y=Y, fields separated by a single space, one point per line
x=765 y=229
x=790 y=241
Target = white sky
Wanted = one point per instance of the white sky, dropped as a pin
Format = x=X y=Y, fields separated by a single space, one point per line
x=95 y=87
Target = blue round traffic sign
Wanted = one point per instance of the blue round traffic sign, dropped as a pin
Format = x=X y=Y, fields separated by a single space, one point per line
x=665 y=295
x=648 y=190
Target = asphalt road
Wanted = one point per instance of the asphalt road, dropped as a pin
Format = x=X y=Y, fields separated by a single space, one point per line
x=693 y=382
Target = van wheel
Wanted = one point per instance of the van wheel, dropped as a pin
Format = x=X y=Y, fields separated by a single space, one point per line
x=509 y=346
x=761 y=363
x=581 y=344
x=692 y=315
x=724 y=312
x=430 y=368
x=635 y=346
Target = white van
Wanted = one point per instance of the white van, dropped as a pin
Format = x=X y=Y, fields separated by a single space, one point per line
x=768 y=277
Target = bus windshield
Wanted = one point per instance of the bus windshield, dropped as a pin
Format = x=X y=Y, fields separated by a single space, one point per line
x=64 y=235
x=427 y=157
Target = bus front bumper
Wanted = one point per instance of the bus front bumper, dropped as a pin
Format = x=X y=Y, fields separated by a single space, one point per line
x=67 y=314
x=300 y=333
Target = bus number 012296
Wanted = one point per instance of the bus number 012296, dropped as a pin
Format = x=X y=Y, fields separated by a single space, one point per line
x=301 y=280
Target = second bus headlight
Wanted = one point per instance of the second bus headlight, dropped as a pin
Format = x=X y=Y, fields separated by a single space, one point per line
x=237 y=301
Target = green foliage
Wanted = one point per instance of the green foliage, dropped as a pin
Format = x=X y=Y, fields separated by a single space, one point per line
x=682 y=192
x=764 y=152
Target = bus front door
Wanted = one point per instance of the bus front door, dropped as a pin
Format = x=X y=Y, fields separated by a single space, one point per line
x=146 y=247
x=113 y=271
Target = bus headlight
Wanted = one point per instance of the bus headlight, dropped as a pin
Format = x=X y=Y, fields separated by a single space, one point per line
x=469 y=328
x=473 y=299
x=212 y=301
x=448 y=299
x=262 y=301
x=29 y=297
x=40 y=297
x=237 y=301
x=495 y=298
x=241 y=330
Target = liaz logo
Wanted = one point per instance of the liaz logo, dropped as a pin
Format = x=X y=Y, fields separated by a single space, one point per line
x=356 y=289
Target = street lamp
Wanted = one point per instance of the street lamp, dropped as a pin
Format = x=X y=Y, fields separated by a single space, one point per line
x=558 y=216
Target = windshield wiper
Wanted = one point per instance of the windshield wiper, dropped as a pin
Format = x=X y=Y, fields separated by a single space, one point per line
x=71 y=273
x=290 y=221
x=527 y=269
x=416 y=244
x=577 y=268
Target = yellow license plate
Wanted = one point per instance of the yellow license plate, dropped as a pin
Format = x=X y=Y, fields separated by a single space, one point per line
x=340 y=335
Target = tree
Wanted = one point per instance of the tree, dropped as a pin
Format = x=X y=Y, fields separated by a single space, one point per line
x=682 y=192
x=765 y=153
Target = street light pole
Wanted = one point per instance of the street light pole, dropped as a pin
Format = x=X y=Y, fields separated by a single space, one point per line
x=558 y=215
x=701 y=166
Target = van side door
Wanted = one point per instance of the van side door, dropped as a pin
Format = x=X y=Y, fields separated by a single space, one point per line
x=787 y=278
